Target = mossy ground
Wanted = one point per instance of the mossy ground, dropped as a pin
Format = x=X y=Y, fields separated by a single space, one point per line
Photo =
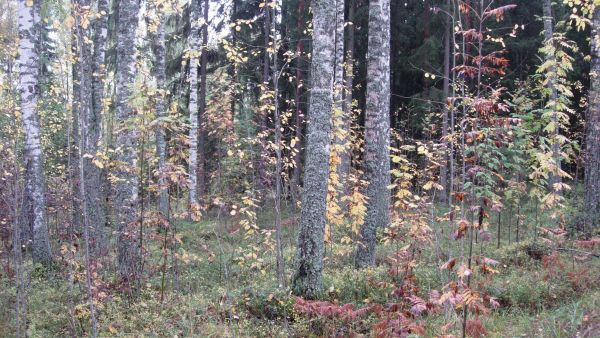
x=217 y=297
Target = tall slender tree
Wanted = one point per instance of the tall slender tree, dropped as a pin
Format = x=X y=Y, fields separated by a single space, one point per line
x=299 y=121
x=307 y=280
x=161 y=111
x=202 y=104
x=126 y=199
x=377 y=131
x=445 y=110
x=263 y=100
x=28 y=20
x=84 y=107
x=340 y=136
x=95 y=192
x=338 y=66
x=344 y=166
x=87 y=113
x=592 y=163
x=194 y=54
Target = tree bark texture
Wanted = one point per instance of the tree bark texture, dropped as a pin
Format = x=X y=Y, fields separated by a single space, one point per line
x=377 y=131
x=299 y=122
x=126 y=199
x=202 y=106
x=95 y=190
x=194 y=51
x=307 y=280
x=592 y=163
x=161 y=111
x=445 y=110
x=345 y=157
x=28 y=58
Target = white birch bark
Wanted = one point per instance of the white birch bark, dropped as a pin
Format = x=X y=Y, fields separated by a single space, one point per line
x=377 y=131
x=161 y=144
x=29 y=93
x=194 y=52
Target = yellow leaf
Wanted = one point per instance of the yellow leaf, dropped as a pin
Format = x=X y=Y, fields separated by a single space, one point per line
x=98 y=164
x=69 y=21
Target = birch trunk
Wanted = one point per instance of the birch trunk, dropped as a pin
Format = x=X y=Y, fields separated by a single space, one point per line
x=340 y=136
x=299 y=122
x=445 y=111
x=592 y=163
x=161 y=143
x=338 y=70
x=202 y=106
x=194 y=50
x=377 y=130
x=126 y=188
x=87 y=110
x=344 y=167
x=264 y=103
x=84 y=113
x=95 y=193
x=29 y=93
x=307 y=280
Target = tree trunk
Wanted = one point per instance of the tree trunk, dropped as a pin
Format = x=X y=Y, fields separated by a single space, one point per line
x=126 y=188
x=74 y=144
x=340 y=137
x=85 y=108
x=95 y=192
x=554 y=177
x=592 y=163
x=28 y=21
x=338 y=65
x=307 y=280
x=344 y=167
x=263 y=103
x=202 y=107
x=299 y=123
x=280 y=267
x=161 y=111
x=377 y=130
x=194 y=51
x=445 y=111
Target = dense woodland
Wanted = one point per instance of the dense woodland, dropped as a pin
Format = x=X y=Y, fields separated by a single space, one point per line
x=300 y=168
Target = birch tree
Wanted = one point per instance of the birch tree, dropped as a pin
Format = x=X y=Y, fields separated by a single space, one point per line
x=28 y=21
x=202 y=104
x=307 y=280
x=445 y=110
x=161 y=143
x=341 y=131
x=592 y=163
x=377 y=131
x=348 y=84
x=87 y=113
x=299 y=114
x=194 y=54
x=126 y=197
x=93 y=178
x=84 y=113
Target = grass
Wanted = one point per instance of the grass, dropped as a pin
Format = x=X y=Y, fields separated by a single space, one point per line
x=221 y=295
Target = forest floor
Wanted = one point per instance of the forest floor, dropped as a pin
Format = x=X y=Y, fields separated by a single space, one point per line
x=225 y=291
